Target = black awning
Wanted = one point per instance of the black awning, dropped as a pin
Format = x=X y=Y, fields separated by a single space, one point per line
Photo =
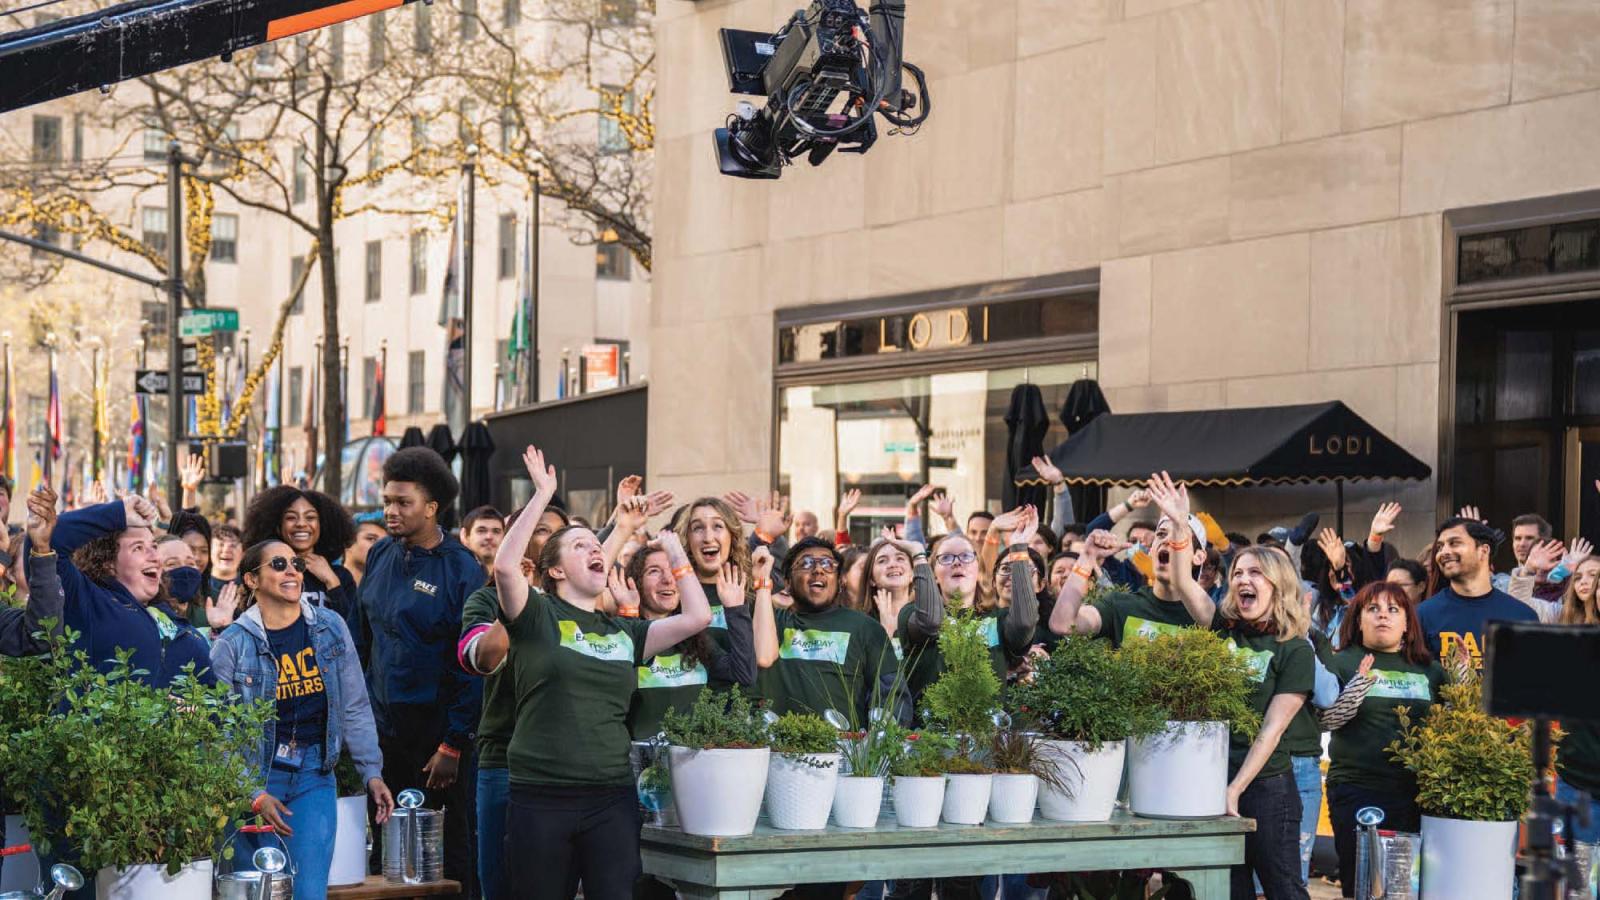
x=1226 y=447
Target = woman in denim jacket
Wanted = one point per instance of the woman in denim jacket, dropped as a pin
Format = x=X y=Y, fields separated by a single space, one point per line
x=302 y=657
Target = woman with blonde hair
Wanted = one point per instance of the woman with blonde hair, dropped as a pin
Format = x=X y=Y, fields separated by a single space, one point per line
x=1578 y=756
x=710 y=532
x=1578 y=605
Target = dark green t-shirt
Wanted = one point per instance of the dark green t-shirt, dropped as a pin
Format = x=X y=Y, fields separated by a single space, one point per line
x=1578 y=756
x=924 y=661
x=499 y=717
x=1356 y=752
x=1280 y=667
x=574 y=674
x=833 y=659
x=1124 y=614
x=1304 y=734
x=719 y=621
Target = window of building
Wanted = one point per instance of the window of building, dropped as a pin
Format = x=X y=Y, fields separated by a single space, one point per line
x=47 y=233
x=153 y=227
x=369 y=387
x=155 y=141
x=77 y=137
x=504 y=388
x=375 y=149
x=419 y=262
x=618 y=12
x=1560 y=248
x=224 y=238
x=297 y=270
x=468 y=24
x=291 y=400
x=336 y=50
x=615 y=102
x=266 y=57
x=508 y=128
x=224 y=153
x=612 y=261
x=154 y=313
x=301 y=175
x=511 y=13
x=302 y=64
x=419 y=134
x=422 y=28
x=46 y=139
x=374 y=271
x=508 y=246
x=377 y=41
x=416 y=381
x=467 y=121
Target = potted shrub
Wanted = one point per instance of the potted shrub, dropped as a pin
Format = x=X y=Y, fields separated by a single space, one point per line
x=1022 y=765
x=350 y=831
x=963 y=701
x=1085 y=700
x=1473 y=771
x=804 y=771
x=1203 y=689
x=867 y=756
x=919 y=784
x=146 y=779
x=718 y=753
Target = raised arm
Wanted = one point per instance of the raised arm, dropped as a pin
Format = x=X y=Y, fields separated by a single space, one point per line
x=1173 y=501
x=694 y=610
x=927 y=604
x=1061 y=516
x=1344 y=708
x=509 y=581
x=763 y=620
x=1023 y=619
x=1071 y=615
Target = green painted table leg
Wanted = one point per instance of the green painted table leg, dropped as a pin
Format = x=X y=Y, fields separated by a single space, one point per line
x=1209 y=884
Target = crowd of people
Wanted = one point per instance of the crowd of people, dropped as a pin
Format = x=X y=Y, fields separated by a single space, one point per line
x=506 y=666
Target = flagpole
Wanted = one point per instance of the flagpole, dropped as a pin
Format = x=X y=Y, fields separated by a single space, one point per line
x=380 y=413
x=49 y=407
x=533 y=292
x=469 y=226
x=9 y=464
x=95 y=448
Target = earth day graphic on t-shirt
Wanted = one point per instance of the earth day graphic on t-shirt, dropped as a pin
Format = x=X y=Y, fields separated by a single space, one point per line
x=719 y=619
x=818 y=646
x=670 y=672
x=1400 y=685
x=614 y=647
x=991 y=632
x=1258 y=660
x=1134 y=626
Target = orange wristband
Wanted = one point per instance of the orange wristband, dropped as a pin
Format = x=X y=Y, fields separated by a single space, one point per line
x=255 y=805
x=628 y=612
x=683 y=571
x=1085 y=574
x=1177 y=545
x=1374 y=538
x=992 y=539
x=760 y=584
x=765 y=538
x=449 y=751
x=1018 y=558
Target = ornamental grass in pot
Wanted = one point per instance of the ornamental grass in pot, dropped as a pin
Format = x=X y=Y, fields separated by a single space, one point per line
x=1023 y=766
x=963 y=703
x=803 y=773
x=867 y=755
x=1203 y=689
x=1473 y=775
x=1085 y=700
x=718 y=753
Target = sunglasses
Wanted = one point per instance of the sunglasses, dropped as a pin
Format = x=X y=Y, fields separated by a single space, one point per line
x=956 y=559
x=817 y=564
x=282 y=564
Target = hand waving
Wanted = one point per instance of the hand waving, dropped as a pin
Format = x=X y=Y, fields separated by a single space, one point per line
x=1173 y=501
x=221 y=609
x=622 y=589
x=191 y=470
x=1544 y=556
x=1333 y=548
x=1048 y=470
x=542 y=475
x=761 y=564
x=41 y=516
x=1383 y=521
x=1577 y=552
x=730 y=585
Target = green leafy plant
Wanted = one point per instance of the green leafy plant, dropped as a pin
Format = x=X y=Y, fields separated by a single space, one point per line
x=963 y=699
x=803 y=737
x=717 y=721
x=347 y=777
x=923 y=755
x=128 y=773
x=1085 y=691
x=1469 y=764
x=869 y=752
x=1020 y=753
x=1194 y=676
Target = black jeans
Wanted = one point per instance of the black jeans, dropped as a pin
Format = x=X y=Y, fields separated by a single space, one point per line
x=559 y=836
x=1400 y=813
x=403 y=759
x=1272 y=851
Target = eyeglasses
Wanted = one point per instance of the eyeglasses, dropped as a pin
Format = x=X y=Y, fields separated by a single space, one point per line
x=956 y=559
x=817 y=564
x=282 y=564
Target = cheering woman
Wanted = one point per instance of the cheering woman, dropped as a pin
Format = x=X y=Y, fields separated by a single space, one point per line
x=318 y=530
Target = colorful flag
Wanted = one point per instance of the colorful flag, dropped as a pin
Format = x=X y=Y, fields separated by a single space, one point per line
x=102 y=420
x=36 y=475
x=380 y=412
x=311 y=418
x=136 y=445
x=52 y=421
x=270 y=436
x=455 y=415
x=8 y=449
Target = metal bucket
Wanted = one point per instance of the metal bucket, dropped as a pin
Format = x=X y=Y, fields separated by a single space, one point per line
x=272 y=875
x=1386 y=861
x=413 y=842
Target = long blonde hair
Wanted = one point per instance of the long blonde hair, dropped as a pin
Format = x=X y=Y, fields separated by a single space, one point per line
x=1574 y=611
x=1288 y=615
x=738 y=550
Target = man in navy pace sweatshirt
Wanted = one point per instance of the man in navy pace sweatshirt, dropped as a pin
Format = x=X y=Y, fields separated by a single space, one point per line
x=408 y=618
x=1459 y=614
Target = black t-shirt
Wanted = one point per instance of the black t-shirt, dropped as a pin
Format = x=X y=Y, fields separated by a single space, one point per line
x=302 y=696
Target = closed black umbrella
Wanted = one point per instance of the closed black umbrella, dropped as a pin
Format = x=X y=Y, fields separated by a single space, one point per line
x=413 y=438
x=476 y=448
x=1026 y=424
x=440 y=442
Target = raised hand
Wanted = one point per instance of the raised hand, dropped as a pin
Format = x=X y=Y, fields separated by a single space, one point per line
x=666 y=540
x=772 y=516
x=1007 y=521
x=622 y=589
x=1366 y=664
x=1577 y=552
x=629 y=487
x=632 y=514
x=1544 y=556
x=761 y=564
x=223 y=608
x=849 y=502
x=139 y=512
x=158 y=503
x=1471 y=512
x=943 y=506
x=730 y=585
x=1171 y=498
x=41 y=522
x=1333 y=548
x=1101 y=545
x=743 y=505
x=542 y=475
x=191 y=470
x=1383 y=521
x=920 y=497
x=1139 y=499
x=1048 y=470
x=1027 y=526
x=911 y=548
x=883 y=601
x=657 y=502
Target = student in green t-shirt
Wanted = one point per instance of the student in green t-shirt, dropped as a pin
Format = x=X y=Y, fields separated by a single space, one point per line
x=1385 y=665
x=574 y=813
x=895 y=578
x=712 y=535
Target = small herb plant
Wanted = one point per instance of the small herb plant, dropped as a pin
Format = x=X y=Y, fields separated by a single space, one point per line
x=1020 y=753
x=1469 y=764
x=804 y=737
x=717 y=721
x=924 y=754
x=963 y=699
x=1194 y=676
x=870 y=752
x=1085 y=691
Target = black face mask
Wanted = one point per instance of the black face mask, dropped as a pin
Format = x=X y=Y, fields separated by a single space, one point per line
x=183 y=583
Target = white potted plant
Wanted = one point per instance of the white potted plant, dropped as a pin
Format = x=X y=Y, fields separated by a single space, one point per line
x=1203 y=689
x=868 y=754
x=350 y=826
x=718 y=754
x=1023 y=765
x=803 y=774
x=919 y=780
x=1473 y=771
x=1084 y=701
x=962 y=702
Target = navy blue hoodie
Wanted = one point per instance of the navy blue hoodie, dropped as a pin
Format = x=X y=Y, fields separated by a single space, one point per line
x=106 y=616
x=408 y=620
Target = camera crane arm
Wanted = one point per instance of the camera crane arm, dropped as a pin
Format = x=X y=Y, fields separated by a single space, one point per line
x=141 y=37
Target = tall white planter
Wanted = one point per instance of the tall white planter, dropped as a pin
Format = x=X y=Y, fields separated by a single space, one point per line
x=718 y=792
x=20 y=872
x=857 y=801
x=193 y=882
x=350 y=842
x=966 y=798
x=1093 y=779
x=1468 y=859
x=1181 y=772
x=918 y=801
x=800 y=796
x=1012 y=798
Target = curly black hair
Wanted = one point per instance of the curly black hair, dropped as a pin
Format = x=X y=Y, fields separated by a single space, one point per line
x=422 y=466
x=263 y=520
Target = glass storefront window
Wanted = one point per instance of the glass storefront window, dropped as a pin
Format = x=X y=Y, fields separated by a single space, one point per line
x=888 y=437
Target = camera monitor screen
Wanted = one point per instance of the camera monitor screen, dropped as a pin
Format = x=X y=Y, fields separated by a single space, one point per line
x=1542 y=670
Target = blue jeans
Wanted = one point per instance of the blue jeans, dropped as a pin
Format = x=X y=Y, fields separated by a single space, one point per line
x=1308 y=778
x=312 y=798
x=494 y=792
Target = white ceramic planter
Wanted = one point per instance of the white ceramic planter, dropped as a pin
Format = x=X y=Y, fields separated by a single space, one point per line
x=918 y=801
x=20 y=872
x=800 y=796
x=718 y=792
x=1468 y=859
x=350 y=842
x=1012 y=798
x=966 y=798
x=193 y=882
x=857 y=801
x=1093 y=779
x=1180 y=773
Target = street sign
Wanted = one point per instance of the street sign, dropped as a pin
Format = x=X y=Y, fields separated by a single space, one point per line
x=201 y=322
x=190 y=355
x=154 y=381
